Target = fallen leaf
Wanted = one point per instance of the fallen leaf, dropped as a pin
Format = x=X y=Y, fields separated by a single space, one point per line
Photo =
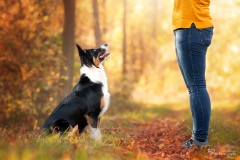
x=72 y=136
x=161 y=146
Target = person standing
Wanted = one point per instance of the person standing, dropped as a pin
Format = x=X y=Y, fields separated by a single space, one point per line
x=193 y=30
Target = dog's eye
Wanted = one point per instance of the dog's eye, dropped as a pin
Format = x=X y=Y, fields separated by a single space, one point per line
x=94 y=50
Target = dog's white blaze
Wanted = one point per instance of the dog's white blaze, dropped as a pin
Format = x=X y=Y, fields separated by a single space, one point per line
x=98 y=75
x=95 y=133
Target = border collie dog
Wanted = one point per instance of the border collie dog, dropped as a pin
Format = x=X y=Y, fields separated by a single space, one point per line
x=88 y=100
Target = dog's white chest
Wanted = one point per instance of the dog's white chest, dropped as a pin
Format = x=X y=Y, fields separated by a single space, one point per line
x=97 y=75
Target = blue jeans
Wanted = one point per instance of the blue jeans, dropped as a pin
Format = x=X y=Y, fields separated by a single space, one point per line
x=191 y=46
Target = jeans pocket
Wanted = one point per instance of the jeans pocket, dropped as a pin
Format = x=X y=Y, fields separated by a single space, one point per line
x=206 y=36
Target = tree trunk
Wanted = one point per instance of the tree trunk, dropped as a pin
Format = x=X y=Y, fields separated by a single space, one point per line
x=68 y=46
x=154 y=19
x=97 y=31
x=124 y=70
x=104 y=22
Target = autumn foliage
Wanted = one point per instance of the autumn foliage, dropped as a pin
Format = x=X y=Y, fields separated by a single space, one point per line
x=142 y=68
x=30 y=55
x=32 y=60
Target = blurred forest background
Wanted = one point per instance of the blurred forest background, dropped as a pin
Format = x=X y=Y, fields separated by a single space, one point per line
x=39 y=63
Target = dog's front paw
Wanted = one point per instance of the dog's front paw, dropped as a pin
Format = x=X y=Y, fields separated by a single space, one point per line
x=95 y=134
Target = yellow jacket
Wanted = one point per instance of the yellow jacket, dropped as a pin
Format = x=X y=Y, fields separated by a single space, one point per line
x=186 y=12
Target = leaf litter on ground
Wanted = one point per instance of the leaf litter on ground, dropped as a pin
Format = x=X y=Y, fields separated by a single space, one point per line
x=155 y=138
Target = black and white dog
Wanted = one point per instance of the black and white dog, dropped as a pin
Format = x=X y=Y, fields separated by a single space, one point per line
x=88 y=100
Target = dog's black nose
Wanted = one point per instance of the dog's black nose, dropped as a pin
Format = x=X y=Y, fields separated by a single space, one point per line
x=104 y=46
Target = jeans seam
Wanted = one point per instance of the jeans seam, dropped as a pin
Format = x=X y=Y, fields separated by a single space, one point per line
x=180 y=66
x=194 y=77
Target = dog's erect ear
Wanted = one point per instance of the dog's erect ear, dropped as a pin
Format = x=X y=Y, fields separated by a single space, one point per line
x=84 y=57
x=80 y=50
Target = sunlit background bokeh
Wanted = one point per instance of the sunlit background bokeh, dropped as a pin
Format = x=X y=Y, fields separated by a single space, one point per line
x=31 y=52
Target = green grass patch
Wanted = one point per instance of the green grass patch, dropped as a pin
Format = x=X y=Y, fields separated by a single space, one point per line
x=54 y=147
x=225 y=128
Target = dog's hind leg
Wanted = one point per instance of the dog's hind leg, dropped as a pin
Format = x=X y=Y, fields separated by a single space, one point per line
x=61 y=126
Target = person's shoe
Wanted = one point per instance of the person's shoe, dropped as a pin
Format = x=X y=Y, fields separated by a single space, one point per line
x=193 y=142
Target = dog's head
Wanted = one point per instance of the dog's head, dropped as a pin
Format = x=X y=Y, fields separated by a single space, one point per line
x=93 y=57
